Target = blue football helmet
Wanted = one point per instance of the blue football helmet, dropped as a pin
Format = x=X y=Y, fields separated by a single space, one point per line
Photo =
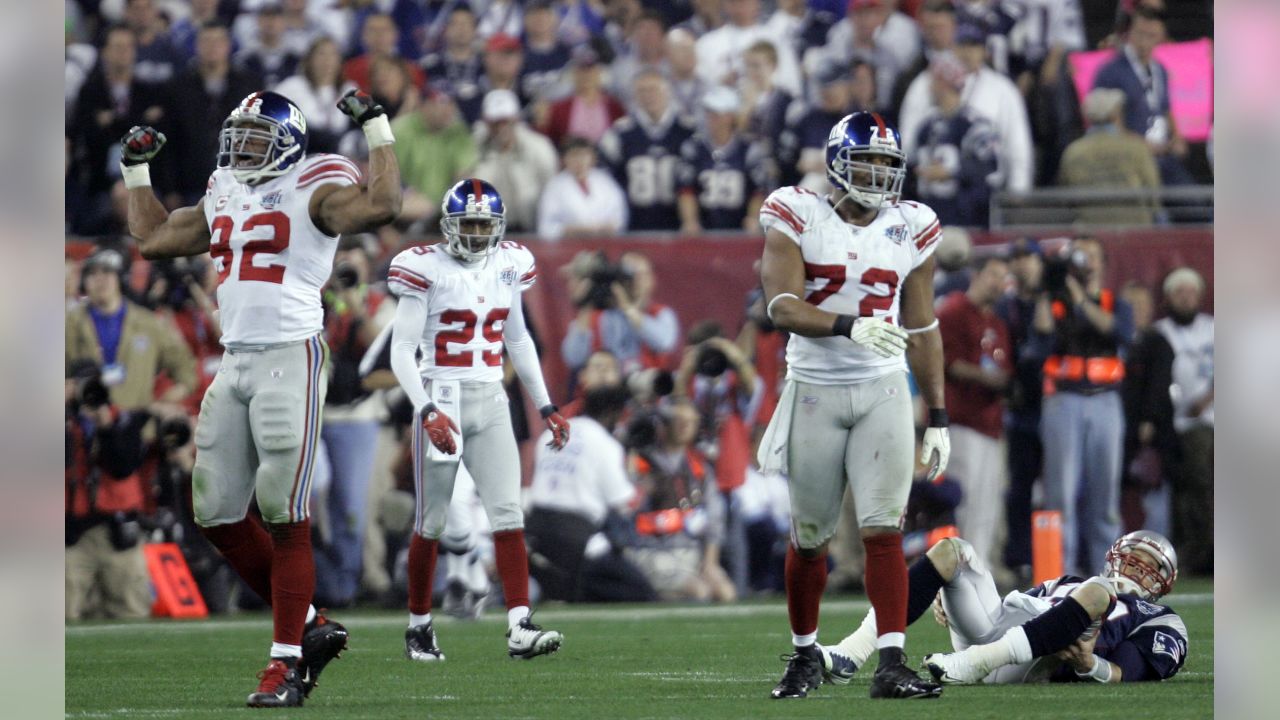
x=473 y=219
x=849 y=146
x=264 y=137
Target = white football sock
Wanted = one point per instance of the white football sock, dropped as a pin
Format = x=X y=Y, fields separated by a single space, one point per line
x=861 y=643
x=804 y=640
x=516 y=614
x=892 y=640
x=311 y=613
x=280 y=650
x=456 y=566
x=416 y=620
x=1011 y=648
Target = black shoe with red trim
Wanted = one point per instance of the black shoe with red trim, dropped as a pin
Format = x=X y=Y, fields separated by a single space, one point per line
x=323 y=641
x=280 y=685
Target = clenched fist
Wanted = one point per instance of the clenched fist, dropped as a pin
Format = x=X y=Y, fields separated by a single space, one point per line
x=141 y=144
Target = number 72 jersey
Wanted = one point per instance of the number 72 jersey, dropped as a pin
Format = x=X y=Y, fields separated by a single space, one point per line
x=467 y=307
x=271 y=258
x=849 y=270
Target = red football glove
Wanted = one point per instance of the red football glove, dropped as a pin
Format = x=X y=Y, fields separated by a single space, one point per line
x=438 y=427
x=558 y=425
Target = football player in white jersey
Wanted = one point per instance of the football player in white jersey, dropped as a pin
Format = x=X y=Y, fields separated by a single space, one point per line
x=271 y=220
x=460 y=303
x=850 y=276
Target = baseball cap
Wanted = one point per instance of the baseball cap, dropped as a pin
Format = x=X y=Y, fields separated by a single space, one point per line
x=832 y=72
x=500 y=105
x=947 y=67
x=1101 y=103
x=721 y=99
x=862 y=4
x=971 y=31
x=1021 y=247
x=105 y=259
x=502 y=42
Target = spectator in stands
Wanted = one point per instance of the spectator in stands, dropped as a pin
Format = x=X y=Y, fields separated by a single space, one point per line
x=499 y=17
x=720 y=51
x=381 y=39
x=515 y=158
x=503 y=58
x=954 y=254
x=1190 y=335
x=618 y=17
x=979 y=361
x=1150 y=441
x=158 y=60
x=589 y=112
x=181 y=291
x=641 y=150
x=580 y=518
x=355 y=313
x=799 y=26
x=764 y=105
x=687 y=87
x=1145 y=83
x=315 y=90
x=112 y=99
x=1082 y=423
x=131 y=345
x=707 y=15
x=937 y=21
x=106 y=572
x=601 y=370
x=303 y=25
x=392 y=87
x=875 y=32
x=182 y=34
x=198 y=101
x=621 y=317
x=955 y=163
x=802 y=151
x=269 y=55
x=990 y=95
x=1109 y=157
x=647 y=42
x=722 y=176
x=545 y=55
x=680 y=517
x=582 y=199
x=862 y=90
x=435 y=149
x=1022 y=421
x=456 y=67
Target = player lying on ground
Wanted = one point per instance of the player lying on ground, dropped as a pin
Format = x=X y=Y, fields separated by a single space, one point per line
x=460 y=303
x=270 y=220
x=1108 y=628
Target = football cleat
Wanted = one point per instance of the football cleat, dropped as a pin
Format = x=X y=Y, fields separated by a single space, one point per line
x=527 y=640
x=803 y=674
x=420 y=644
x=897 y=681
x=323 y=641
x=460 y=602
x=956 y=668
x=279 y=685
x=837 y=668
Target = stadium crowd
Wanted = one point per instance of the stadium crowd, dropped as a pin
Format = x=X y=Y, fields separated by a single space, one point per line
x=595 y=119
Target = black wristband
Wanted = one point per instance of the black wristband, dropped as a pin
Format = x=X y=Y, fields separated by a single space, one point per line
x=548 y=410
x=843 y=325
x=938 y=418
x=429 y=408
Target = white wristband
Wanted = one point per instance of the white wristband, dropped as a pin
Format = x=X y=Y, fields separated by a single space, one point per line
x=136 y=176
x=768 y=311
x=1101 y=670
x=925 y=329
x=378 y=132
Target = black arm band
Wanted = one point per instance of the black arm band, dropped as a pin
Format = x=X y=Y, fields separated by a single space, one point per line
x=938 y=418
x=548 y=410
x=428 y=409
x=843 y=325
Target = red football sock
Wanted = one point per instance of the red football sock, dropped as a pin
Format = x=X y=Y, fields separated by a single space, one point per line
x=513 y=566
x=247 y=549
x=293 y=580
x=806 y=578
x=422 y=573
x=886 y=581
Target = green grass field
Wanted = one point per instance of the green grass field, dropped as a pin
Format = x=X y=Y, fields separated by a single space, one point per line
x=617 y=662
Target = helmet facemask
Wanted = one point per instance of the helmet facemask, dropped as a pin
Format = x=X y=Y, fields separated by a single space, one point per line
x=1140 y=567
x=471 y=237
x=869 y=184
x=253 y=147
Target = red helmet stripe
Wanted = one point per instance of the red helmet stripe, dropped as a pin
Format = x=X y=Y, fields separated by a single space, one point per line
x=477 y=188
x=883 y=131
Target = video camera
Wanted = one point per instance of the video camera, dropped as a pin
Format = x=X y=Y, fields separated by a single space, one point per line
x=601 y=277
x=178 y=273
x=90 y=392
x=1057 y=266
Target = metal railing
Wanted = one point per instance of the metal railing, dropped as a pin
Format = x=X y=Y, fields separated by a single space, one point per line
x=1102 y=207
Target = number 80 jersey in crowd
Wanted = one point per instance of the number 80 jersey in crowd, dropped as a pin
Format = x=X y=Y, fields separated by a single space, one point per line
x=849 y=270
x=271 y=259
x=467 y=306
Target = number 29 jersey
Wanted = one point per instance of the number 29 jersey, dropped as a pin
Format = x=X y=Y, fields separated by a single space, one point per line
x=271 y=259
x=467 y=307
x=849 y=270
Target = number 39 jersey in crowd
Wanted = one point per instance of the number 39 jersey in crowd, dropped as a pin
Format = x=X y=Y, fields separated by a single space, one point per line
x=271 y=258
x=849 y=270
x=467 y=307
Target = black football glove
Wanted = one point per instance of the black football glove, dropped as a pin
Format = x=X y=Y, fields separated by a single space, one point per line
x=360 y=107
x=141 y=144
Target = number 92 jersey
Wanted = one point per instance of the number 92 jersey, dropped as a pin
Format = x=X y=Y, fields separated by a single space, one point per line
x=466 y=307
x=849 y=270
x=271 y=259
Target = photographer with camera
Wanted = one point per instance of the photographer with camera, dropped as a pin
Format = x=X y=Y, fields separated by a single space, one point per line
x=106 y=572
x=181 y=290
x=616 y=312
x=354 y=315
x=1088 y=328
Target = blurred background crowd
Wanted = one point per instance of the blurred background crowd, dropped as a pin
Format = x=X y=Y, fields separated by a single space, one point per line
x=632 y=143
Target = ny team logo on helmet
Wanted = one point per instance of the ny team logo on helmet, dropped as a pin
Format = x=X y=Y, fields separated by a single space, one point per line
x=1132 y=573
x=851 y=143
x=264 y=137
x=469 y=204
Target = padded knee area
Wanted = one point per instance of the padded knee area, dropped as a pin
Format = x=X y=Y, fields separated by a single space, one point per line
x=275 y=422
x=1096 y=595
x=948 y=554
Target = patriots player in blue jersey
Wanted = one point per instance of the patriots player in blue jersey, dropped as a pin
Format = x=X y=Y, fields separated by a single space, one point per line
x=1108 y=629
x=722 y=176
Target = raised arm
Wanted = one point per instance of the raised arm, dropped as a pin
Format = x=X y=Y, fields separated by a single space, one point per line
x=360 y=208
x=160 y=233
